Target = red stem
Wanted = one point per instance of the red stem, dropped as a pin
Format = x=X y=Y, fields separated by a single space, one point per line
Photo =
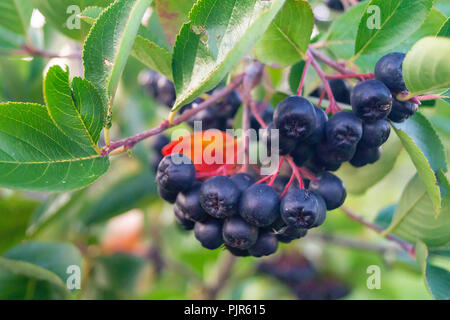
x=257 y=115
x=333 y=106
x=330 y=62
x=302 y=81
x=402 y=243
x=288 y=185
x=296 y=172
x=362 y=76
x=429 y=97
x=275 y=174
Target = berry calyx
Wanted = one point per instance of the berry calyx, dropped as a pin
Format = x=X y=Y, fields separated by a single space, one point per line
x=295 y=118
x=344 y=130
x=302 y=208
x=219 y=197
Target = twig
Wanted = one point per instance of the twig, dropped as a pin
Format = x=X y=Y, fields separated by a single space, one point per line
x=224 y=275
x=302 y=81
x=131 y=141
x=31 y=50
x=402 y=243
x=330 y=62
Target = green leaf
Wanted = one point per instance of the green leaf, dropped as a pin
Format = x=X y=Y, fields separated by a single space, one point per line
x=398 y=20
x=426 y=67
x=437 y=279
x=414 y=218
x=173 y=14
x=15 y=213
x=359 y=180
x=445 y=29
x=77 y=110
x=37 y=264
x=15 y=15
x=217 y=36
x=148 y=52
x=17 y=277
x=108 y=46
x=64 y=15
x=121 y=197
x=10 y=40
x=286 y=40
x=36 y=155
x=426 y=152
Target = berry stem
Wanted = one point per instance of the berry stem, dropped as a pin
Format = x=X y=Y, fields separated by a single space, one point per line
x=362 y=76
x=275 y=174
x=430 y=97
x=257 y=115
x=307 y=174
x=296 y=172
x=402 y=243
x=330 y=62
x=286 y=188
x=28 y=49
x=131 y=141
x=333 y=107
x=302 y=81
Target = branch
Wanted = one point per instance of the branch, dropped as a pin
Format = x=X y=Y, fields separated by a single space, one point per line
x=224 y=275
x=130 y=142
x=330 y=62
x=35 y=52
x=402 y=243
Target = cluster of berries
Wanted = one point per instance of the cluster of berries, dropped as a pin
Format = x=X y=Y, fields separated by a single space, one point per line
x=336 y=4
x=220 y=115
x=304 y=280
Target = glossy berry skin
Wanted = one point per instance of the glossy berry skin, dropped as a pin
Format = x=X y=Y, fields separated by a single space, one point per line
x=365 y=156
x=371 y=100
x=239 y=234
x=402 y=110
x=344 y=130
x=242 y=181
x=302 y=153
x=302 y=208
x=237 y=252
x=219 y=197
x=175 y=173
x=189 y=202
x=182 y=220
x=167 y=195
x=295 y=118
x=330 y=188
x=375 y=133
x=331 y=155
x=209 y=233
x=389 y=71
x=259 y=205
x=341 y=90
x=319 y=127
x=265 y=245
x=289 y=234
x=285 y=145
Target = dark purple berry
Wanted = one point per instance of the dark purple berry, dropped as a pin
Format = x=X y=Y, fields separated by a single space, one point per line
x=160 y=142
x=242 y=181
x=302 y=208
x=239 y=234
x=295 y=118
x=182 y=220
x=375 y=133
x=302 y=153
x=260 y=205
x=341 y=90
x=371 y=100
x=365 y=156
x=265 y=245
x=175 y=173
x=209 y=233
x=189 y=202
x=169 y=196
x=219 y=197
x=238 y=252
x=330 y=188
x=343 y=131
x=319 y=127
x=389 y=71
x=402 y=110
